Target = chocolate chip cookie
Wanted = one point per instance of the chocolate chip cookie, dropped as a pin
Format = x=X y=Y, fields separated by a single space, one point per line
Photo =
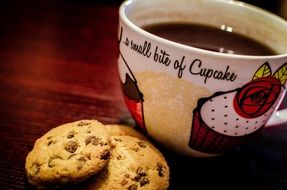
x=68 y=154
x=134 y=165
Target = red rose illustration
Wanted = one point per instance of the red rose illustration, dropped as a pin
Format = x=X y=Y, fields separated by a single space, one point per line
x=257 y=97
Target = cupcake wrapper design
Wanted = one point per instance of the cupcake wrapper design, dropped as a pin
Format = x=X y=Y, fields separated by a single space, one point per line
x=204 y=139
x=136 y=109
x=225 y=119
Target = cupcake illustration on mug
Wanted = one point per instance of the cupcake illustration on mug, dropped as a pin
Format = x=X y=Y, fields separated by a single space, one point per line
x=226 y=118
x=132 y=95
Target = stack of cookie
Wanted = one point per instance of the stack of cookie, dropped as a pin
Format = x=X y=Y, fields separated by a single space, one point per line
x=96 y=156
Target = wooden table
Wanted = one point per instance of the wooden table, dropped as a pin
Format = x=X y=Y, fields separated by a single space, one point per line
x=58 y=64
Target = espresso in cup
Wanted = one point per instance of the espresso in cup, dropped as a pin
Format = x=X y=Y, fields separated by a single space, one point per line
x=223 y=39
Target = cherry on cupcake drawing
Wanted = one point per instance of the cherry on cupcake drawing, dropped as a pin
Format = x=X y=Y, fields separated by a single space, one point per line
x=226 y=118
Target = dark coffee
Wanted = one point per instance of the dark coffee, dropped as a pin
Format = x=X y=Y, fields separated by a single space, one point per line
x=209 y=38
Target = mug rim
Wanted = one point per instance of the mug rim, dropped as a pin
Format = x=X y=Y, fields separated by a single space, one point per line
x=133 y=26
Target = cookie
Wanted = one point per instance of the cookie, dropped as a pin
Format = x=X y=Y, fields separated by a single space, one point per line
x=68 y=154
x=134 y=165
x=124 y=130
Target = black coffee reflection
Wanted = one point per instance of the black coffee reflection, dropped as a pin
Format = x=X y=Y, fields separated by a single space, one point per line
x=222 y=39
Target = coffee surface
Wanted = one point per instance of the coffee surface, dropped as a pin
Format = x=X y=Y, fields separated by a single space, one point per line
x=223 y=40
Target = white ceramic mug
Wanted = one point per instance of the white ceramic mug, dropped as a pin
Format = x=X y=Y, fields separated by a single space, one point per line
x=194 y=101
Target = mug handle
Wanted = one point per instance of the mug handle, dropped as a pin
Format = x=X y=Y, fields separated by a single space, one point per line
x=278 y=117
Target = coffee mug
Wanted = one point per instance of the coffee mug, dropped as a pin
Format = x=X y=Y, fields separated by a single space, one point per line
x=195 y=101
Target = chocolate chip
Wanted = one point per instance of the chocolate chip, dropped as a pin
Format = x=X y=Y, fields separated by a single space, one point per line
x=102 y=143
x=71 y=146
x=89 y=139
x=93 y=139
x=71 y=134
x=88 y=155
x=124 y=182
x=82 y=162
x=141 y=144
x=144 y=181
x=133 y=187
x=137 y=178
x=104 y=172
x=49 y=142
x=105 y=154
x=119 y=157
x=79 y=167
x=140 y=171
x=135 y=149
x=83 y=123
x=160 y=169
x=117 y=139
x=127 y=175
x=82 y=159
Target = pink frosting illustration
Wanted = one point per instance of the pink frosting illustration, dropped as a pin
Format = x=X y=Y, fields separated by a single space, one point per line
x=225 y=119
